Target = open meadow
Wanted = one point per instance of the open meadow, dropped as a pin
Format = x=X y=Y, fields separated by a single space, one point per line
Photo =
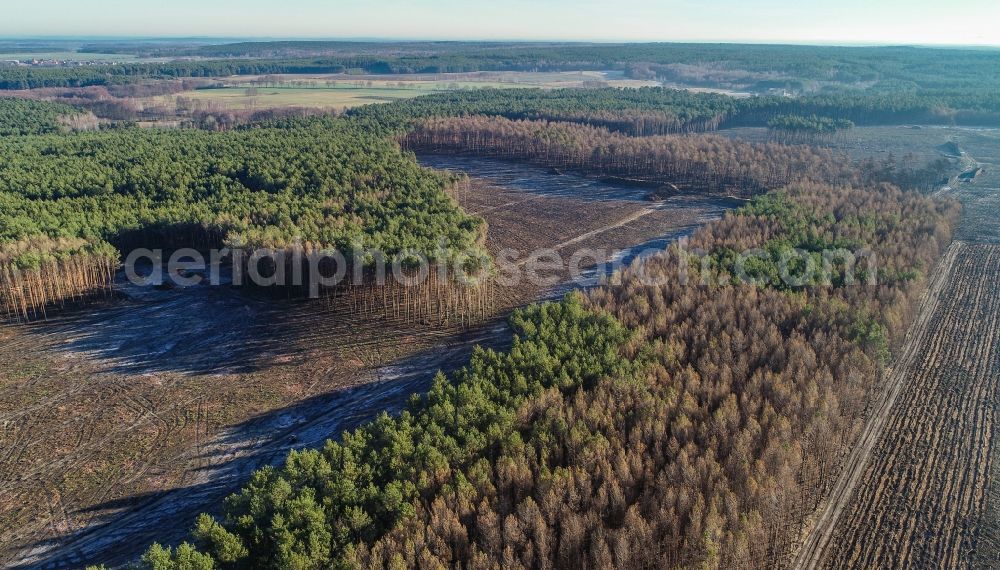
x=343 y=91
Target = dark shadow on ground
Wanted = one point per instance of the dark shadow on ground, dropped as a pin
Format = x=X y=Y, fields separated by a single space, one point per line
x=124 y=528
x=199 y=329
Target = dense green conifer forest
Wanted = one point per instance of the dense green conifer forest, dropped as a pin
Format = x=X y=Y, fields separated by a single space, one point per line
x=27 y=117
x=72 y=202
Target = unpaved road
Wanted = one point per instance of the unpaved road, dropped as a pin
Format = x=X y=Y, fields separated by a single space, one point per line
x=812 y=552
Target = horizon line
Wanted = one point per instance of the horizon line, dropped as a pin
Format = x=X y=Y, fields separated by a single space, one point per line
x=402 y=39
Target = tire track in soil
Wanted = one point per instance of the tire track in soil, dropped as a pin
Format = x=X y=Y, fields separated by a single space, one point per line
x=234 y=454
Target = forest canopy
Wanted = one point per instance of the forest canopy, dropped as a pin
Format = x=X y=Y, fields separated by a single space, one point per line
x=324 y=182
x=647 y=111
x=691 y=424
x=811 y=124
x=28 y=117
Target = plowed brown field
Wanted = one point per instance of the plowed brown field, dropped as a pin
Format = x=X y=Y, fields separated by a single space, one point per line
x=923 y=499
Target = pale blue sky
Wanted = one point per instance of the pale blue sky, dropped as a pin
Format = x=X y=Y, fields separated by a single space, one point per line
x=816 y=21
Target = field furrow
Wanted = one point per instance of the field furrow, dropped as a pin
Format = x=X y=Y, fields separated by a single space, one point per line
x=924 y=498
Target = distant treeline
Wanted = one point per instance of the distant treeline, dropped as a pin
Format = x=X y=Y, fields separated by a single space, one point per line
x=698 y=163
x=640 y=112
x=805 y=69
x=745 y=65
x=811 y=124
x=28 y=77
x=971 y=107
x=648 y=111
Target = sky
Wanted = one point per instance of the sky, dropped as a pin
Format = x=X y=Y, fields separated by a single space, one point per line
x=949 y=22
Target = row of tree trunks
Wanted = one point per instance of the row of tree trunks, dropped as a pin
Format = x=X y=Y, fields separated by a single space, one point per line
x=29 y=294
x=709 y=164
x=636 y=124
x=438 y=297
x=437 y=300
